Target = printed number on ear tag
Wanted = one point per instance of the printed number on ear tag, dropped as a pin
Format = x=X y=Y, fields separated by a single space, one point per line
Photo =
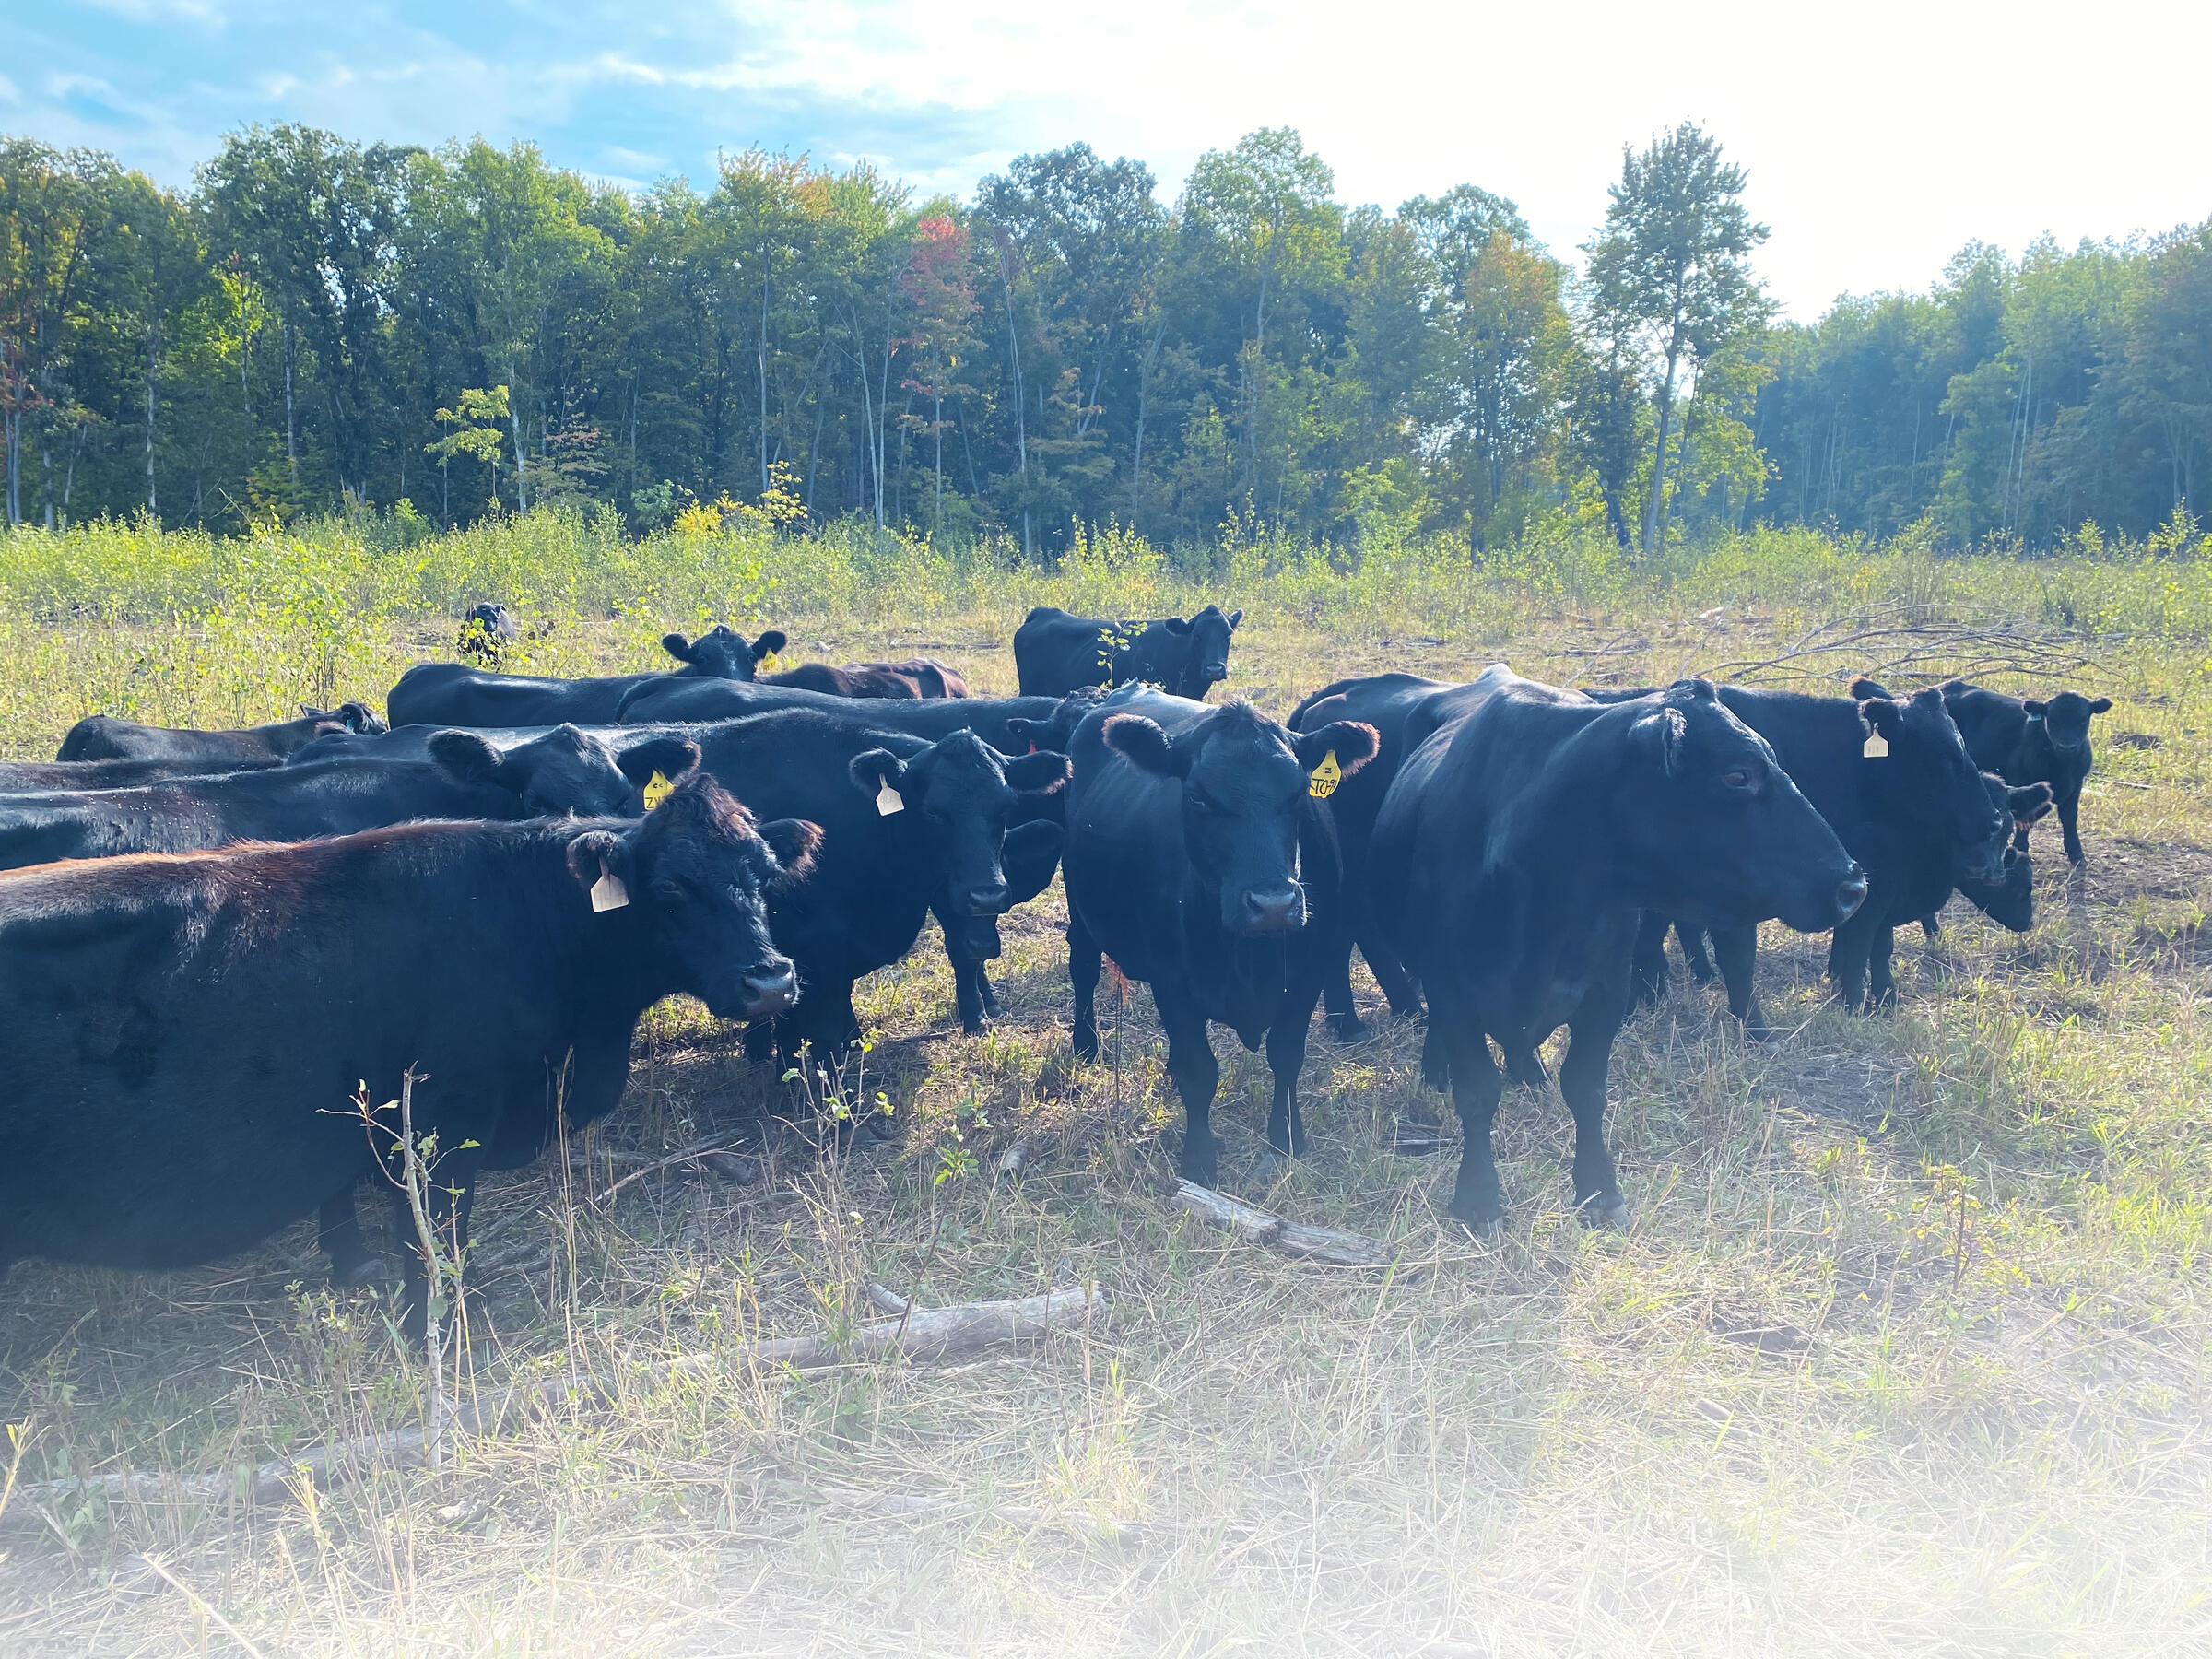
x=887 y=801
x=607 y=892
x=1326 y=776
x=657 y=789
x=1878 y=747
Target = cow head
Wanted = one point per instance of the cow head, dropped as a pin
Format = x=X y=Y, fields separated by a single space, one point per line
x=1057 y=730
x=2009 y=898
x=1205 y=649
x=1714 y=829
x=699 y=873
x=567 y=771
x=1929 y=775
x=356 y=717
x=485 y=632
x=722 y=653
x=2065 y=719
x=958 y=793
x=1245 y=782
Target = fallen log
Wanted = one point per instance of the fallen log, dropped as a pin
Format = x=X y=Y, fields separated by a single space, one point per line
x=1294 y=1239
x=921 y=1334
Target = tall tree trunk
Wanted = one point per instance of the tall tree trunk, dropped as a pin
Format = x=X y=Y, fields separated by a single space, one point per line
x=14 y=425
x=1666 y=414
x=291 y=423
x=153 y=346
x=521 y=479
x=763 y=359
x=1144 y=387
x=1021 y=436
x=937 y=426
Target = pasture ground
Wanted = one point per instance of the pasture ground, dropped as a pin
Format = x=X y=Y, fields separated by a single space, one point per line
x=1904 y=1352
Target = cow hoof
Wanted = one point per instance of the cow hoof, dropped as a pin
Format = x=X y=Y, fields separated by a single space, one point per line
x=369 y=1272
x=1201 y=1164
x=1087 y=1050
x=1350 y=1027
x=1608 y=1211
x=975 y=1028
x=1485 y=1227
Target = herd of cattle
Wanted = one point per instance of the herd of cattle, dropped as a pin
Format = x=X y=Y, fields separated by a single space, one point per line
x=210 y=942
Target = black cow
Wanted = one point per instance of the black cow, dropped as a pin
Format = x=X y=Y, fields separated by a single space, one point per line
x=486 y=633
x=456 y=694
x=1189 y=828
x=2009 y=902
x=1910 y=812
x=1512 y=856
x=1055 y=653
x=857 y=679
x=103 y=737
x=1403 y=709
x=564 y=771
x=19 y=777
x=2026 y=741
x=160 y=1106
x=934 y=678
x=909 y=823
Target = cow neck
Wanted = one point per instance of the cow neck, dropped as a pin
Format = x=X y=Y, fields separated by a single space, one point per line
x=596 y=957
x=1551 y=862
x=1236 y=978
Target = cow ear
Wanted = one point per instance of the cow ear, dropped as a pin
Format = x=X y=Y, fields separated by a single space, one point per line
x=1664 y=730
x=359 y=717
x=671 y=757
x=597 y=854
x=770 y=643
x=1043 y=773
x=2034 y=710
x=676 y=646
x=1884 y=714
x=872 y=770
x=1029 y=735
x=1353 y=742
x=312 y=712
x=468 y=757
x=1864 y=687
x=1235 y=617
x=1142 y=743
x=795 y=842
x=2028 y=803
x=1176 y=625
x=2104 y=705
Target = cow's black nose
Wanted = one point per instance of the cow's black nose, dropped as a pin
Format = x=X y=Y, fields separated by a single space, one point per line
x=1281 y=911
x=989 y=899
x=769 y=989
x=1217 y=671
x=1851 y=892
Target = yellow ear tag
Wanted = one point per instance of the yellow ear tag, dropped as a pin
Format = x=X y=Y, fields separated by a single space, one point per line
x=1326 y=776
x=887 y=801
x=657 y=789
x=1878 y=747
x=607 y=892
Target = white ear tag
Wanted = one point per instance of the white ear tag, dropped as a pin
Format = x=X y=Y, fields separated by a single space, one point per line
x=607 y=892
x=887 y=801
x=1878 y=747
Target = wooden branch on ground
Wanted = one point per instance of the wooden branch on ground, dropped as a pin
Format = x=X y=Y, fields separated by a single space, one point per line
x=934 y=1335
x=1294 y=1239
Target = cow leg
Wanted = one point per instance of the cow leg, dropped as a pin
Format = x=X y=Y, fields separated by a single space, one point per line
x=1583 y=1081
x=1436 y=1064
x=344 y=1245
x=1391 y=976
x=1882 y=982
x=453 y=1195
x=2069 y=825
x=1477 y=1198
x=1847 y=955
x=1197 y=1075
x=1650 y=969
x=1287 y=1049
x=1737 y=950
x=968 y=994
x=1331 y=947
x=1085 y=960
x=983 y=987
x=1692 y=941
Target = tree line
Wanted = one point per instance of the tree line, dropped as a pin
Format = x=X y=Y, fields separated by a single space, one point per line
x=318 y=323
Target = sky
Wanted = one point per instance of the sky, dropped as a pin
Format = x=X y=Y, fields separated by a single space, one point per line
x=1879 y=136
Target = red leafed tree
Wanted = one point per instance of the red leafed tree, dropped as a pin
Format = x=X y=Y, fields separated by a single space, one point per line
x=938 y=285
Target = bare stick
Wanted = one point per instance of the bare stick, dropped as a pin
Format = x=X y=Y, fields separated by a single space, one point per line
x=201 y=1602
x=1294 y=1239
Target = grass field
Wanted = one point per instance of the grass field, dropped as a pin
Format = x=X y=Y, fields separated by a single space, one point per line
x=1905 y=1351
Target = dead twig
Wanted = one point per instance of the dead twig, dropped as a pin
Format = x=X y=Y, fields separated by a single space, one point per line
x=1293 y=1239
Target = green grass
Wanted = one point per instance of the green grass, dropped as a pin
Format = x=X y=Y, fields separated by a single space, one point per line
x=1904 y=1352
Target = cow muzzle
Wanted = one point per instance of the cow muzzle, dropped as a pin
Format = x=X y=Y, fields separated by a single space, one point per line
x=769 y=990
x=1273 y=909
x=987 y=900
x=1851 y=892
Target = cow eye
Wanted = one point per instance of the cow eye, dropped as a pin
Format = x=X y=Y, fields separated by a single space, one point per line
x=1737 y=779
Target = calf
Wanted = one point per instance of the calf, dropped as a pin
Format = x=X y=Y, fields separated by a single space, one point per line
x=2026 y=741
x=1894 y=781
x=1514 y=852
x=159 y=1104
x=931 y=678
x=456 y=694
x=103 y=737
x=1055 y=652
x=909 y=824
x=486 y=633
x=1189 y=828
x=564 y=771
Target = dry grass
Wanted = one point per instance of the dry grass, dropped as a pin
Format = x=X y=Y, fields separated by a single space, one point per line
x=1904 y=1353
